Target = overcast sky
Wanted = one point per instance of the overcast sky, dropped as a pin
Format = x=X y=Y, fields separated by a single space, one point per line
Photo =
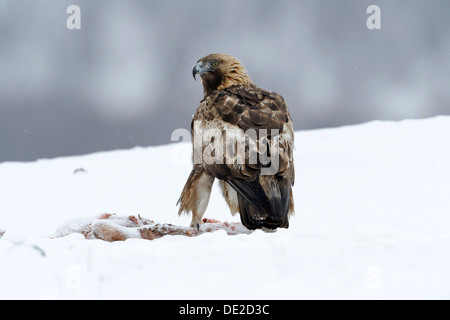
x=124 y=79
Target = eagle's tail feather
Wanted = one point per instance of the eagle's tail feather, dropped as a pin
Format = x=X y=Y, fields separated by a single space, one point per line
x=263 y=202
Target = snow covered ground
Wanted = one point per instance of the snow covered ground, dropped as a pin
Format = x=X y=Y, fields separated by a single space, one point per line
x=372 y=221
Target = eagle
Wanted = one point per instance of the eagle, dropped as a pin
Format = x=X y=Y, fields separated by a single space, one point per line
x=243 y=136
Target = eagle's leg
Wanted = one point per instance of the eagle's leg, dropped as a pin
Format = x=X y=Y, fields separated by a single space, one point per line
x=230 y=196
x=195 y=194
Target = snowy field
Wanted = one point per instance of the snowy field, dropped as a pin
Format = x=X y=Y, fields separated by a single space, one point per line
x=372 y=222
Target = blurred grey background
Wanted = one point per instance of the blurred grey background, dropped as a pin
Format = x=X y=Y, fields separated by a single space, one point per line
x=125 y=78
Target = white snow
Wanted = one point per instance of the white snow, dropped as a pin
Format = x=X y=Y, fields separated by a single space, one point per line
x=372 y=222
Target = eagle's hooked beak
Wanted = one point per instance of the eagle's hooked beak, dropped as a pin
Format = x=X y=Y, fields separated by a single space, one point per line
x=198 y=69
x=194 y=72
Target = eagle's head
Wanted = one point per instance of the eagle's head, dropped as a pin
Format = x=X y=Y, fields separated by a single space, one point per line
x=219 y=71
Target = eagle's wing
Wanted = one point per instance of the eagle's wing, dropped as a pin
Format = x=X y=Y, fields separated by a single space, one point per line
x=248 y=118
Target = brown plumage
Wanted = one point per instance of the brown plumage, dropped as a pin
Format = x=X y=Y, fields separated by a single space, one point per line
x=243 y=136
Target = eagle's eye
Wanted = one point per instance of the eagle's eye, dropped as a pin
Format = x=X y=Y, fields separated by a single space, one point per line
x=215 y=64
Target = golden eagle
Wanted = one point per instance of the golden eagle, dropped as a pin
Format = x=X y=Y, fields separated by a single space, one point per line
x=243 y=136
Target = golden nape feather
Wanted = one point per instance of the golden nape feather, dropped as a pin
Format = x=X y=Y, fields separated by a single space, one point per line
x=243 y=136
